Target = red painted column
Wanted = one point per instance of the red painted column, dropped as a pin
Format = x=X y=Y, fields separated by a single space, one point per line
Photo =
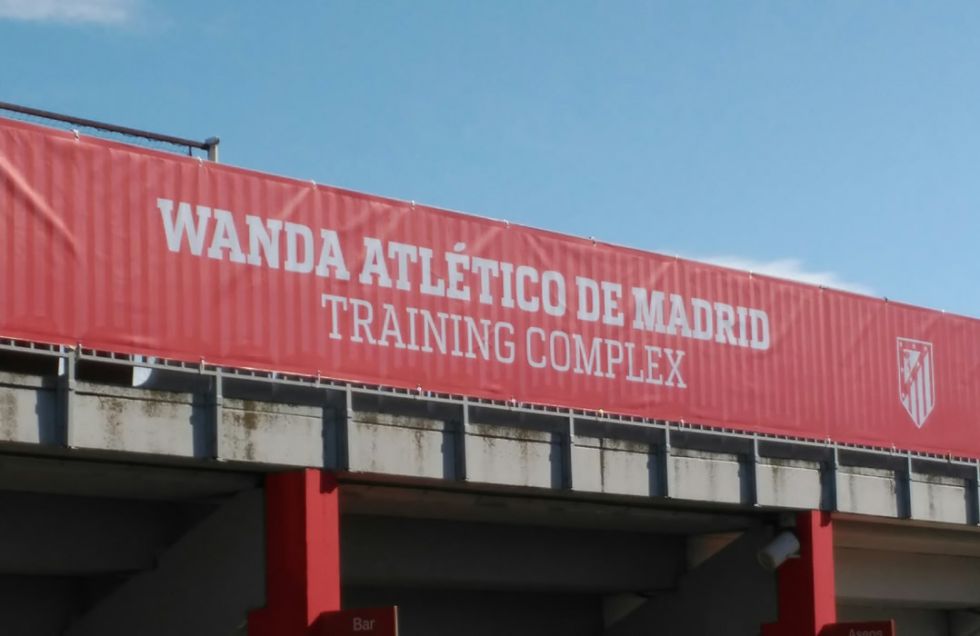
x=302 y=528
x=807 y=597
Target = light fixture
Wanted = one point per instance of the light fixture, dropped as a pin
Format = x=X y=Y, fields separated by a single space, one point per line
x=775 y=553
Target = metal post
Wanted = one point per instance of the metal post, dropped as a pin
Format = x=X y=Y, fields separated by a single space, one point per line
x=212 y=147
x=343 y=430
x=975 y=499
x=217 y=414
x=568 y=451
x=459 y=447
x=667 y=452
x=66 y=397
x=750 y=466
x=828 y=475
x=903 y=477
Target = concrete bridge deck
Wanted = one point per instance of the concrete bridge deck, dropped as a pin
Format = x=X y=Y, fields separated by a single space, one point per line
x=84 y=404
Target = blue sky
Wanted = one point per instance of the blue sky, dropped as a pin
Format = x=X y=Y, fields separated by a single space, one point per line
x=838 y=142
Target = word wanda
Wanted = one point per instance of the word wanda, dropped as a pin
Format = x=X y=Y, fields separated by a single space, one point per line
x=456 y=276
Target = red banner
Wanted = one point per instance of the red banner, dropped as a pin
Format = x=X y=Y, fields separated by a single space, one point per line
x=130 y=250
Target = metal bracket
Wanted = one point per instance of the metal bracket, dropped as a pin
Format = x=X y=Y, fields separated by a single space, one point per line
x=567 y=453
x=66 y=398
x=903 y=490
x=975 y=499
x=750 y=468
x=666 y=454
x=217 y=413
x=342 y=432
x=828 y=481
x=462 y=430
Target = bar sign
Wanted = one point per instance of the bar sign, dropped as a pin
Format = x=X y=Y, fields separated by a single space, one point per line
x=377 y=621
x=872 y=628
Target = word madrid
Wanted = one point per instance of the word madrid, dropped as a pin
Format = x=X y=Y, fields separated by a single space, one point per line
x=418 y=270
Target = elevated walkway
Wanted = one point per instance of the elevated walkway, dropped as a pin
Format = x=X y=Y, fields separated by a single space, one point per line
x=84 y=404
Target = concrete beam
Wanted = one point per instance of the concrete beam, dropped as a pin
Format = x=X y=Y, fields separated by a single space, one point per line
x=212 y=417
x=868 y=577
x=57 y=535
x=903 y=536
x=416 y=553
x=88 y=478
x=727 y=594
x=203 y=585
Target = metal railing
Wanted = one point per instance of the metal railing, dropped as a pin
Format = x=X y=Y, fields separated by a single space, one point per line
x=209 y=145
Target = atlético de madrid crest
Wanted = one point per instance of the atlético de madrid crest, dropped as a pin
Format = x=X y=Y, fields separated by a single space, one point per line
x=916 y=379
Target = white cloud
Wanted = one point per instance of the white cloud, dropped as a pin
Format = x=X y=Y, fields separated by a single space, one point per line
x=111 y=12
x=791 y=269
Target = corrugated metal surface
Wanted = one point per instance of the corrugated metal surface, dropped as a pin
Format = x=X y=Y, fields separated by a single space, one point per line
x=129 y=250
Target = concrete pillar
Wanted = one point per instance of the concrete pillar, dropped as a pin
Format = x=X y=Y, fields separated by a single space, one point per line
x=807 y=597
x=302 y=553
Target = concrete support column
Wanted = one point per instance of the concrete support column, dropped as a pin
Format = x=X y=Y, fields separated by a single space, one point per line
x=807 y=597
x=302 y=553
